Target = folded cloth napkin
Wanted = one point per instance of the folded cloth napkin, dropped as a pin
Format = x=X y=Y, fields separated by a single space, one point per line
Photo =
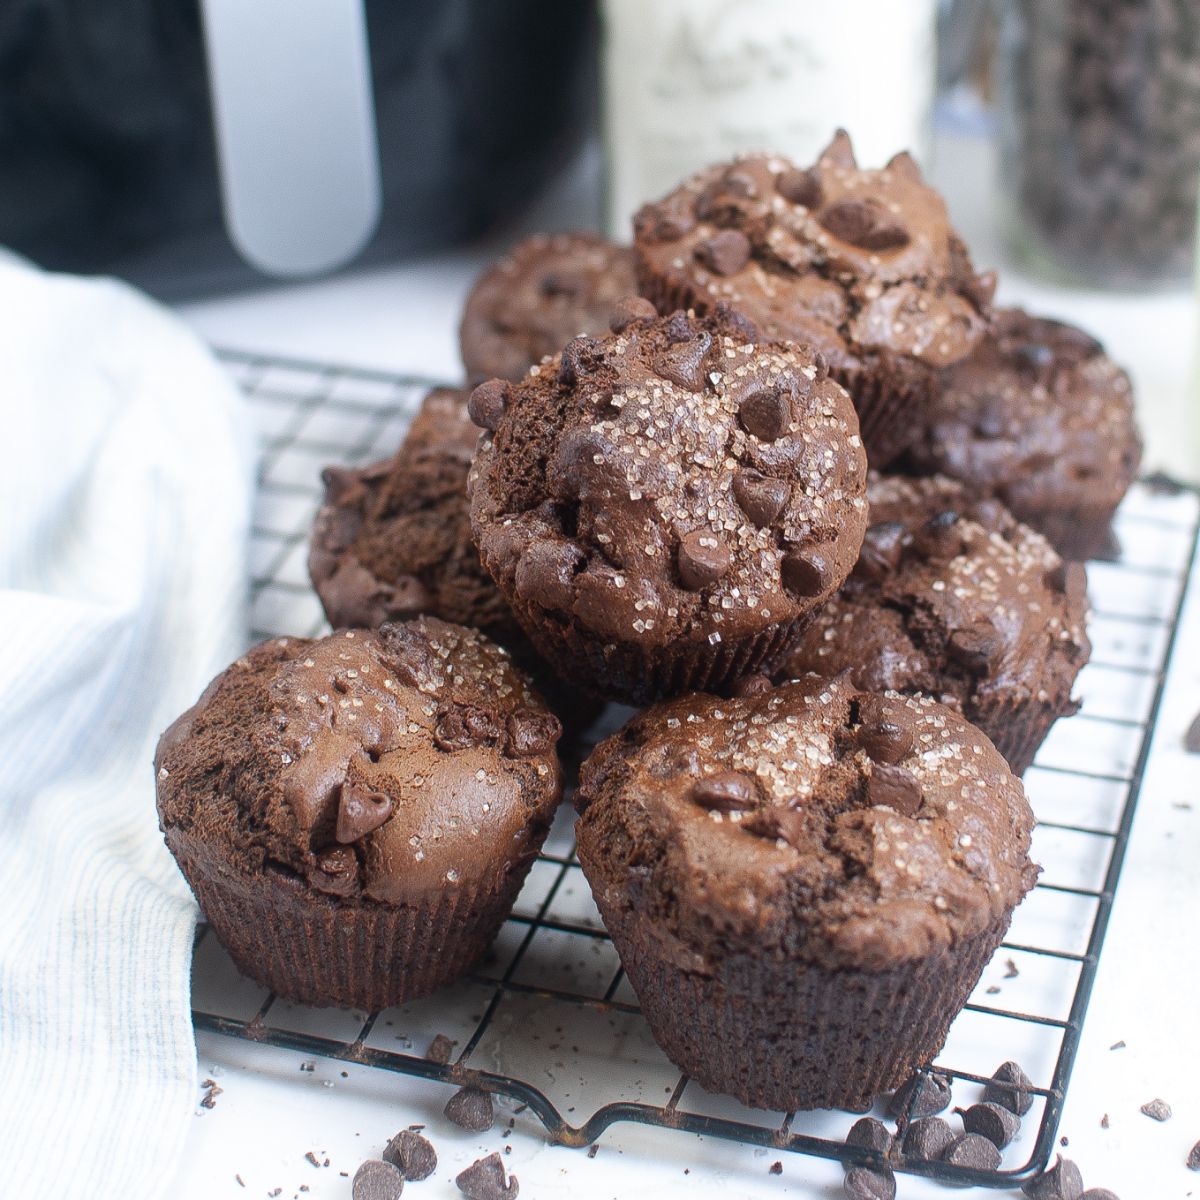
x=124 y=504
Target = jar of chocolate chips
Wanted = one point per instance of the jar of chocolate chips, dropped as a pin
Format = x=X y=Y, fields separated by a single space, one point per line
x=1100 y=135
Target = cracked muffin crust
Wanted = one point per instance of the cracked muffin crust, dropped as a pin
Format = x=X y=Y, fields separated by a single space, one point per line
x=1041 y=418
x=803 y=884
x=357 y=813
x=861 y=265
x=548 y=289
x=667 y=507
x=954 y=598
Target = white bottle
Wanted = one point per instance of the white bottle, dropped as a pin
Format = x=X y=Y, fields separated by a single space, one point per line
x=691 y=82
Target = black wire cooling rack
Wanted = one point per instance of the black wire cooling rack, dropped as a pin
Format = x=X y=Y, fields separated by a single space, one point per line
x=554 y=967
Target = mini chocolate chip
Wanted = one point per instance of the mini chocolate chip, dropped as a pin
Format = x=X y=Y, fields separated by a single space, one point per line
x=872 y=1134
x=471 y=1109
x=865 y=224
x=462 y=725
x=882 y=550
x=759 y=496
x=805 y=574
x=726 y=252
x=1062 y=1182
x=486 y=404
x=440 y=1049
x=894 y=787
x=377 y=1180
x=869 y=1183
x=1011 y=1088
x=361 y=810
x=702 y=558
x=577 y=359
x=727 y=791
x=1157 y=1110
x=926 y=1139
x=801 y=187
x=752 y=685
x=630 y=311
x=992 y=1121
x=932 y=1096
x=484 y=1180
x=939 y=538
x=1099 y=1194
x=532 y=733
x=971 y=1150
x=973 y=647
x=336 y=871
x=778 y=824
x=683 y=362
x=884 y=741
x=765 y=413
x=412 y=1155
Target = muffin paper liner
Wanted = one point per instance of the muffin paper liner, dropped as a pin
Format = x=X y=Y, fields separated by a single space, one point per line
x=790 y=1035
x=1017 y=730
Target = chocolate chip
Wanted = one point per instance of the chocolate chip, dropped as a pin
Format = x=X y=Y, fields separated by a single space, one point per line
x=759 y=496
x=939 y=538
x=657 y=224
x=989 y=513
x=765 y=414
x=884 y=741
x=1069 y=578
x=800 y=187
x=462 y=725
x=1191 y=739
x=377 y=1180
x=532 y=733
x=486 y=404
x=546 y=573
x=805 y=574
x=865 y=224
x=471 y=1109
x=412 y=1155
x=1193 y=1158
x=683 y=362
x=926 y=1139
x=484 y=1180
x=578 y=358
x=678 y=328
x=872 y=1134
x=904 y=165
x=342 y=485
x=727 y=791
x=735 y=321
x=980 y=289
x=869 y=1183
x=840 y=151
x=1157 y=1110
x=630 y=311
x=1099 y=1194
x=973 y=647
x=778 y=825
x=882 y=549
x=932 y=1096
x=702 y=559
x=361 y=810
x=440 y=1049
x=335 y=871
x=725 y=253
x=992 y=1121
x=752 y=685
x=821 y=365
x=971 y=1150
x=1011 y=1088
x=894 y=787
x=1062 y=1182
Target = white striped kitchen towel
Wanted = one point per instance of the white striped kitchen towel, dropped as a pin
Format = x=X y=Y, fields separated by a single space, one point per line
x=125 y=495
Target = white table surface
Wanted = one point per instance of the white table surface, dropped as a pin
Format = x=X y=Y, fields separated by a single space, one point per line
x=1148 y=990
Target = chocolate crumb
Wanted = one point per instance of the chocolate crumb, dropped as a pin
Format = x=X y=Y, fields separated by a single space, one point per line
x=1010 y=969
x=1062 y=1182
x=932 y=1096
x=412 y=1155
x=1105 y=1122
x=1010 y=1088
x=863 y=1183
x=471 y=1109
x=307 y=1066
x=1158 y=1110
x=211 y=1091
x=1118 y=1045
x=376 y=1180
x=776 y=1168
x=1191 y=739
x=1064 y=1141
x=440 y=1049
x=241 y=1181
x=993 y=990
x=593 y=1150
x=1193 y=1158
x=485 y=1180
x=312 y=1158
x=275 y=1192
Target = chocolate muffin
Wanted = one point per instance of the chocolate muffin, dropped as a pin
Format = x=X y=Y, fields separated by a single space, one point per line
x=356 y=814
x=667 y=508
x=954 y=598
x=530 y=304
x=861 y=265
x=1041 y=418
x=803 y=885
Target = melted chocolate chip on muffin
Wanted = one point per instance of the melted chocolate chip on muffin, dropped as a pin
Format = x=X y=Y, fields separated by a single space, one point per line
x=954 y=598
x=859 y=264
x=531 y=303
x=667 y=507
x=1041 y=418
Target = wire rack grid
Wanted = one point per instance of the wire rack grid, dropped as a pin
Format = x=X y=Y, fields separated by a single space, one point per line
x=553 y=967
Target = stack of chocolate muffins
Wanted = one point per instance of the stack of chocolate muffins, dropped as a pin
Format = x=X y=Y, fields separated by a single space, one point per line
x=782 y=477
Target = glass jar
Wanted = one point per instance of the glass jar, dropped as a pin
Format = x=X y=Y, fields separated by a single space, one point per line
x=1100 y=137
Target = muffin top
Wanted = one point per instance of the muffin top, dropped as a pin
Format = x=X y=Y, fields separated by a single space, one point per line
x=952 y=597
x=393 y=540
x=387 y=765
x=1038 y=416
x=813 y=821
x=671 y=482
x=530 y=304
x=854 y=262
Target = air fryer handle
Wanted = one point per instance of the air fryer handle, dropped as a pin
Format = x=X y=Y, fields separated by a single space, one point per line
x=295 y=129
